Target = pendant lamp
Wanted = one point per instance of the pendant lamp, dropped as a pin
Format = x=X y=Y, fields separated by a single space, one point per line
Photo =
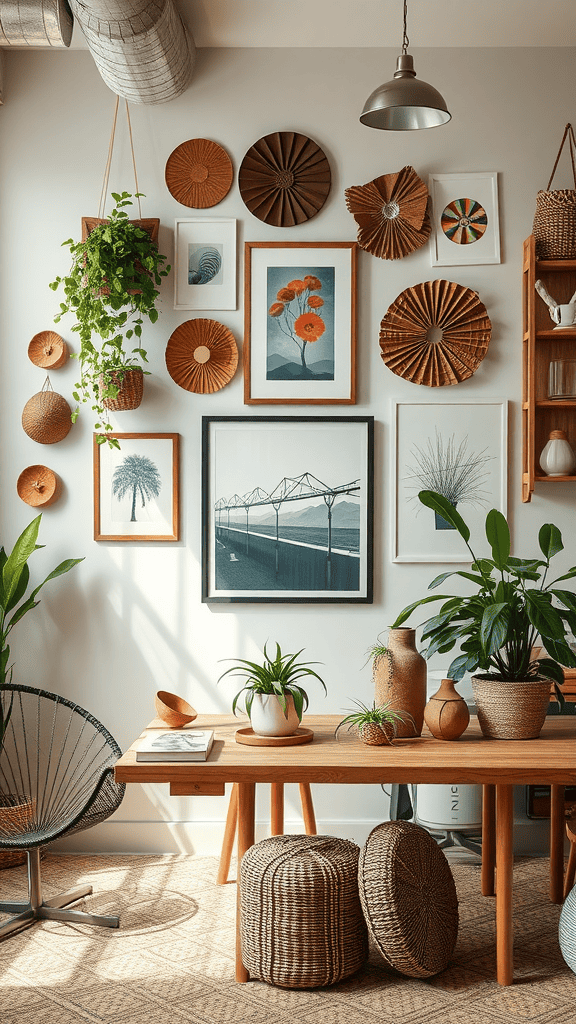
x=404 y=103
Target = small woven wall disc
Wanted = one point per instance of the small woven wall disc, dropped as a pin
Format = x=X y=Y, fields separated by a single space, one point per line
x=435 y=333
x=199 y=173
x=48 y=350
x=47 y=417
x=284 y=179
x=391 y=214
x=201 y=356
x=38 y=486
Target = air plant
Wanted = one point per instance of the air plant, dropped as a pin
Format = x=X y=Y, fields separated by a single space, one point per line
x=375 y=725
x=450 y=470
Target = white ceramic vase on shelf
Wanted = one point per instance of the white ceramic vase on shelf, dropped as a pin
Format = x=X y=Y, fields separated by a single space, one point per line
x=557 y=457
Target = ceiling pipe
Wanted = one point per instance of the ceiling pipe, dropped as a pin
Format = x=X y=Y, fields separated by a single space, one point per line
x=141 y=47
x=40 y=23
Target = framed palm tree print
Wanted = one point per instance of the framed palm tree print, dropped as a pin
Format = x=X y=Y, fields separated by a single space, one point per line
x=136 y=488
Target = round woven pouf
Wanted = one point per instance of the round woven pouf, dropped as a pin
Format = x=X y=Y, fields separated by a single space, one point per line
x=300 y=913
x=567 y=930
x=409 y=898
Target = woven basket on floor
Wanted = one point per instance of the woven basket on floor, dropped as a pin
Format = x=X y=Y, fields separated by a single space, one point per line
x=47 y=417
x=131 y=390
x=13 y=815
x=300 y=913
x=409 y=898
x=511 y=710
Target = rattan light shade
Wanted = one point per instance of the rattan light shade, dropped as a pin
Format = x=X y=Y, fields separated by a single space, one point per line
x=391 y=214
x=48 y=350
x=202 y=356
x=409 y=898
x=38 y=486
x=284 y=179
x=47 y=417
x=199 y=173
x=435 y=333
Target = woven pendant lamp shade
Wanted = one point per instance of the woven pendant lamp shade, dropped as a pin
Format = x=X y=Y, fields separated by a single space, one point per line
x=43 y=23
x=48 y=350
x=202 y=356
x=47 y=417
x=391 y=214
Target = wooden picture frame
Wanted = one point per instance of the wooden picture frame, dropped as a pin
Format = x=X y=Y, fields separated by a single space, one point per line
x=205 y=263
x=465 y=222
x=140 y=479
x=287 y=509
x=284 y=325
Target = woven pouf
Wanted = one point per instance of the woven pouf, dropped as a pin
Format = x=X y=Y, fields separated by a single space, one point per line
x=567 y=930
x=409 y=898
x=300 y=913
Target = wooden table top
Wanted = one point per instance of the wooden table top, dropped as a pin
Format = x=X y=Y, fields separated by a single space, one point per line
x=551 y=759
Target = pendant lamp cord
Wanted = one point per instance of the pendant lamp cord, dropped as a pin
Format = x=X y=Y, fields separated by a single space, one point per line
x=102 y=203
x=405 y=40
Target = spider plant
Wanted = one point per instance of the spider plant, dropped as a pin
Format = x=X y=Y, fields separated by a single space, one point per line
x=278 y=676
x=378 y=717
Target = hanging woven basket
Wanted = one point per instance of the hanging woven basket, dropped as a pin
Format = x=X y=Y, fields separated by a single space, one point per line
x=554 y=227
x=130 y=393
x=38 y=486
x=47 y=417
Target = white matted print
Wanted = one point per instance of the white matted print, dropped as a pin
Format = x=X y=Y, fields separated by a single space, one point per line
x=458 y=450
x=205 y=263
x=465 y=226
x=136 y=488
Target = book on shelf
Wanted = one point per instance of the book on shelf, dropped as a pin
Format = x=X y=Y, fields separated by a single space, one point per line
x=191 y=745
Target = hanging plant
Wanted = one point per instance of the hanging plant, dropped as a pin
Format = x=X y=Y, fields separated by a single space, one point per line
x=112 y=286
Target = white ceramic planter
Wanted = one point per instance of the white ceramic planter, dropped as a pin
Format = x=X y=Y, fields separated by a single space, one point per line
x=267 y=717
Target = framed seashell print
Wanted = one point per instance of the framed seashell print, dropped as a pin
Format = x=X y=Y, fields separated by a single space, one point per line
x=205 y=263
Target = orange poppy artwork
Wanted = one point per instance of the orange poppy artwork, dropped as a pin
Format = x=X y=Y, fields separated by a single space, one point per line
x=300 y=323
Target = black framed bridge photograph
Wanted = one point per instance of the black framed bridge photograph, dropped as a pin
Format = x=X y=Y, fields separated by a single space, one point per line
x=287 y=508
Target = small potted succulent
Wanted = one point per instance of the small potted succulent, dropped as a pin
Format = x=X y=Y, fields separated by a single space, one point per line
x=274 y=700
x=111 y=287
x=375 y=725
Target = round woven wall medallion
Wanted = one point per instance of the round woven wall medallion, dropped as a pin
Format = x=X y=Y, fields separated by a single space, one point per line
x=201 y=356
x=38 y=486
x=391 y=214
x=199 y=173
x=48 y=350
x=435 y=333
x=284 y=179
x=409 y=898
x=47 y=417
x=464 y=221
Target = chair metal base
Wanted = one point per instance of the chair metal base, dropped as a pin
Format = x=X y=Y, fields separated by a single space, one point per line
x=37 y=909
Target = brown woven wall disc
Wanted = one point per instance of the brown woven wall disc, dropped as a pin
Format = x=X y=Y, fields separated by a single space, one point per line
x=48 y=350
x=199 y=173
x=38 y=486
x=201 y=356
x=46 y=417
x=284 y=179
x=391 y=214
x=131 y=391
x=435 y=333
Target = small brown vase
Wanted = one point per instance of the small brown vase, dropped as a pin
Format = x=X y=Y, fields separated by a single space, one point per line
x=400 y=680
x=446 y=713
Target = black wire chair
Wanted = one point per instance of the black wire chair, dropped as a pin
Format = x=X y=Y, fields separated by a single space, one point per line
x=56 y=778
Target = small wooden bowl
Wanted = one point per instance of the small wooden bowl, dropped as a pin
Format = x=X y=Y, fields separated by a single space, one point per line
x=173 y=710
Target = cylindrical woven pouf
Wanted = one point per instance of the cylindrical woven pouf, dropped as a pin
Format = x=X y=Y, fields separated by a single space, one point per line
x=567 y=930
x=409 y=898
x=300 y=913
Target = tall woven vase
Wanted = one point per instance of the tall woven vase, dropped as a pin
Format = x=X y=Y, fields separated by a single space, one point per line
x=400 y=679
x=511 y=710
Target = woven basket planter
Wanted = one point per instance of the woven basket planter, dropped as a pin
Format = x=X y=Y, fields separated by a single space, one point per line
x=15 y=817
x=47 y=417
x=511 y=711
x=300 y=913
x=131 y=386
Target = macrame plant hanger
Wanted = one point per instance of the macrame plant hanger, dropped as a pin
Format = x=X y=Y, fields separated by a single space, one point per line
x=102 y=204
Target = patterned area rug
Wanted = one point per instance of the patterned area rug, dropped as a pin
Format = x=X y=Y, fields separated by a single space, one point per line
x=172 y=959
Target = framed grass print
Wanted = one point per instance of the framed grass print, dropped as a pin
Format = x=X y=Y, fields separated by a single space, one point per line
x=465 y=227
x=287 y=508
x=205 y=263
x=300 y=323
x=136 y=488
x=459 y=450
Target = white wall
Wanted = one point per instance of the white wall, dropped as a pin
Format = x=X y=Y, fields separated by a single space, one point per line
x=129 y=620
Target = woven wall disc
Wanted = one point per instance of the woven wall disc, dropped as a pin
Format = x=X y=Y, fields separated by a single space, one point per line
x=199 y=173
x=435 y=333
x=48 y=350
x=391 y=214
x=38 y=486
x=284 y=179
x=201 y=356
x=47 y=417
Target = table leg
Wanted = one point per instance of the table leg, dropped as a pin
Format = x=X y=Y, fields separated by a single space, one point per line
x=504 y=872
x=277 y=808
x=488 y=839
x=307 y=809
x=229 y=833
x=557 y=832
x=246 y=811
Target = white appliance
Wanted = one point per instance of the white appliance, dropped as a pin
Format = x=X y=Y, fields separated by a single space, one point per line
x=448 y=808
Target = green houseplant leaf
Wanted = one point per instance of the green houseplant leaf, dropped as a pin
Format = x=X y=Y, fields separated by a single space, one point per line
x=277 y=675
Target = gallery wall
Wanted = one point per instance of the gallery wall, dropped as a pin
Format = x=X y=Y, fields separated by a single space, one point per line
x=129 y=620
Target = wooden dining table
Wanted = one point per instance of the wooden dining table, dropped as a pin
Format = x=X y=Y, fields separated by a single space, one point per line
x=498 y=765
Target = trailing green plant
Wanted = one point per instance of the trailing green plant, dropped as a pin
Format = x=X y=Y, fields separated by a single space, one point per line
x=381 y=716
x=277 y=676
x=15 y=602
x=498 y=626
x=111 y=287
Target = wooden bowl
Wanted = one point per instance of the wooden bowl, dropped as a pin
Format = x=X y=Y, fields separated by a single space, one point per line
x=173 y=710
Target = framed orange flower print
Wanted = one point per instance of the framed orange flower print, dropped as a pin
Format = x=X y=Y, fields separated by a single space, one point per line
x=300 y=323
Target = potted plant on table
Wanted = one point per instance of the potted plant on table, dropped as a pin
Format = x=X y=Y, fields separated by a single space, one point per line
x=111 y=287
x=274 y=700
x=498 y=626
x=375 y=725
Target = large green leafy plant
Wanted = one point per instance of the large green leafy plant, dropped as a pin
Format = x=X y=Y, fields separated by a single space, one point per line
x=111 y=287
x=15 y=601
x=498 y=626
x=277 y=676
